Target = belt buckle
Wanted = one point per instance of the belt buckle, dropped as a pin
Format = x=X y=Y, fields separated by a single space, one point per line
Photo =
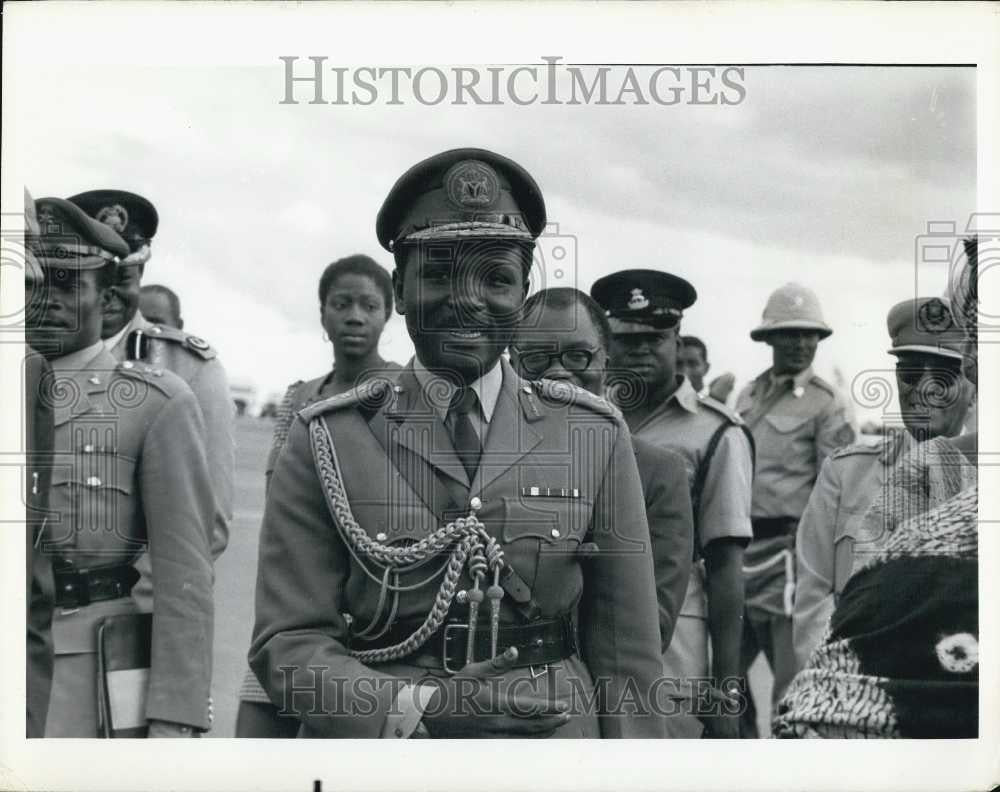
x=444 y=645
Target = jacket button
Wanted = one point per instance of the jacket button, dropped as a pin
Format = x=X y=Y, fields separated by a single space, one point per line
x=93 y=481
x=380 y=537
x=476 y=504
x=88 y=449
x=555 y=533
x=93 y=380
x=128 y=364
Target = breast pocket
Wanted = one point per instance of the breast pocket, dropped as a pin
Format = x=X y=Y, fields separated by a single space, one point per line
x=793 y=436
x=541 y=537
x=94 y=497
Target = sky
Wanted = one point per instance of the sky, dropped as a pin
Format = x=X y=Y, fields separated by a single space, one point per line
x=824 y=176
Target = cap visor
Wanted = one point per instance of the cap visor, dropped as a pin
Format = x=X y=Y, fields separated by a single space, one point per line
x=951 y=354
x=622 y=327
x=470 y=230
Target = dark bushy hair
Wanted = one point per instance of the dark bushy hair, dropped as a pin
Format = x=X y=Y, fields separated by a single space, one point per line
x=694 y=341
x=357 y=264
x=567 y=297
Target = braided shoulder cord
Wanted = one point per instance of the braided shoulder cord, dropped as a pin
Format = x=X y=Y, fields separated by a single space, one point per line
x=465 y=536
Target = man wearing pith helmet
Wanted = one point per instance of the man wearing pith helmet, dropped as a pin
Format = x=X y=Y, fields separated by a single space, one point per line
x=128 y=335
x=934 y=399
x=797 y=420
x=644 y=308
x=485 y=534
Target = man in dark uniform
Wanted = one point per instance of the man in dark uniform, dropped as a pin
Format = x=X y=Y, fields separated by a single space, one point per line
x=129 y=471
x=564 y=337
x=445 y=514
x=129 y=336
x=644 y=309
x=38 y=429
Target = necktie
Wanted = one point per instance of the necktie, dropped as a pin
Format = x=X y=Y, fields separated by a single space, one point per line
x=463 y=433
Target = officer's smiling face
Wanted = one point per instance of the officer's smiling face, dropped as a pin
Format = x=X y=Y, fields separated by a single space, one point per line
x=66 y=315
x=462 y=302
x=123 y=301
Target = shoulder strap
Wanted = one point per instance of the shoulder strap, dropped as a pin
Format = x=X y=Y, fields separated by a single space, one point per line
x=701 y=475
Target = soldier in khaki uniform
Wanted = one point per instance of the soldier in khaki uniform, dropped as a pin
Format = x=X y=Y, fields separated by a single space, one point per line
x=934 y=398
x=130 y=473
x=797 y=420
x=661 y=407
x=128 y=336
x=485 y=534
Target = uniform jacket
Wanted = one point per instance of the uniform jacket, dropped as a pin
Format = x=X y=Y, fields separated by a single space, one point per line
x=40 y=594
x=830 y=533
x=685 y=424
x=299 y=395
x=793 y=434
x=536 y=438
x=197 y=363
x=131 y=473
x=671 y=528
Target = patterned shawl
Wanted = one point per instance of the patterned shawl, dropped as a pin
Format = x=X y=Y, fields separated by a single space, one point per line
x=900 y=657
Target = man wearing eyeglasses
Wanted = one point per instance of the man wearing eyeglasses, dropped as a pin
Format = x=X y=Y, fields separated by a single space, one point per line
x=934 y=397
x=564 y=336
x=644 y=308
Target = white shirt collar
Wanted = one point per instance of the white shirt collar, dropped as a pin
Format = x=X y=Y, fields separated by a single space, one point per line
x=486 y=388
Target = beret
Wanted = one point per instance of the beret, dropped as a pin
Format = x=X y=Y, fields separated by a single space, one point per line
x=69 y=238
x=130 y=215
x=925 y=325
x=466 y=193
x=643 y=300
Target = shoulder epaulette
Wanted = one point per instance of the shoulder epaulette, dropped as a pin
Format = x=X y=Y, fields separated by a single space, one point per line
x=163 y=380
x=822 y=384
x=194 y=344
x=563 y=392
x=370 y=393
x=858 y=448
x=713 y=404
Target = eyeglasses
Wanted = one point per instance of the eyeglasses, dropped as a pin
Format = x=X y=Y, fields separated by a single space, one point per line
x=944 y=375
x=537 y=363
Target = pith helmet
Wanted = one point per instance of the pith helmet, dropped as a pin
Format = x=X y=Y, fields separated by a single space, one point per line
x=792 y=307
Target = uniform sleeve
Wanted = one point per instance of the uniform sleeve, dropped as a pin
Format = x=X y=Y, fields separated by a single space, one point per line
x=211 y=388
x=619 y=628
x=833 y=430
x=814 y=562
x=178 y=506
x=724 y=512
x=299 y=650
x=671 y=528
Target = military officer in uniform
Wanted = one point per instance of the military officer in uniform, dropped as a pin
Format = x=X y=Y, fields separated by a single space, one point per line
x=660 y=405
x=565 y=336
x=484 y=534
x=797 y=420
x=130 y=471
x=934 y=399
x=38 y=432
x=128 y=336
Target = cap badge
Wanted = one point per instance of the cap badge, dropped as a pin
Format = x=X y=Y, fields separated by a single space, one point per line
x=472 y=185
x=637 y=301
x=934 y=317
x=797 y=301
x=113 y=216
